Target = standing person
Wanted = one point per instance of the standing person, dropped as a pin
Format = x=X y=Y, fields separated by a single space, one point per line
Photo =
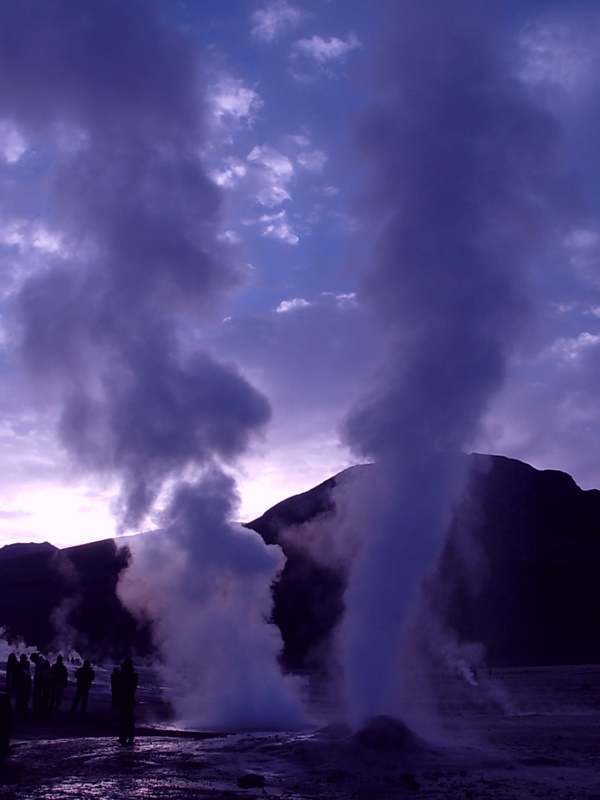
x=38 y=661
x=58 y=681
x=84 y=677
x=128 y=683
x=45 y=687
x=23 y=685
x=115 y=682
x=12 y=666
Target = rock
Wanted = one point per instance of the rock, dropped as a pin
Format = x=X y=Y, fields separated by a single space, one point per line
x=386 y=735
x=250 y=780
x=410 y=781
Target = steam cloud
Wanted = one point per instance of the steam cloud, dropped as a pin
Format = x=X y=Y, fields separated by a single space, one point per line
x=110 y=97
x=466 y=190
x=466 y=186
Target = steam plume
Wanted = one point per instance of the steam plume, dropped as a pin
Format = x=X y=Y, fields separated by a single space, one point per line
x=465 y=186
x=107 y=325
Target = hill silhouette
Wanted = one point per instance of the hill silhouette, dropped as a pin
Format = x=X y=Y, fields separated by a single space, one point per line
x=520 y=574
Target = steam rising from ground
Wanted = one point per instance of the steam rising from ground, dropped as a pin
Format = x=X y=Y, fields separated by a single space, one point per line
x=465 y=190
x=207 y=586
x=108 y=326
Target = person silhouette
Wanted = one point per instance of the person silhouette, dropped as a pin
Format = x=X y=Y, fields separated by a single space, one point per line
x=128 y=683
x=115 y=682
x=23 y=685
x=12 y=667
x=58 y=680
x=84 y=677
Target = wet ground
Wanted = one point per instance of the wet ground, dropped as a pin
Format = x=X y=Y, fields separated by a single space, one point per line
x=520 y=733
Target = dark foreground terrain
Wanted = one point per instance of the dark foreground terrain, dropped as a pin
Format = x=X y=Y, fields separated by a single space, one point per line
x=519 y=733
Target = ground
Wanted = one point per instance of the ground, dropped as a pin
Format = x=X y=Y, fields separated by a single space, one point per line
x=516 y=734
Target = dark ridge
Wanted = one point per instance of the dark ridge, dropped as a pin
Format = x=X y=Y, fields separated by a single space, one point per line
x=534 y=597
x=298 y=509
x=24 y=549
x=308 y=598
x=520 y=573
x=54 y=598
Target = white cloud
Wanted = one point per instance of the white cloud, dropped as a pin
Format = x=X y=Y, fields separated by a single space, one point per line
x=273 y=160
x=330 y=191
x=275 y=20
x=231 y=100
x=312 y=160
x=583 y=247
x=343 y=300
x=230 y=173
x=230 y=237
x=559 y=54
x=12 y=143
x=571 y=349
x=300 y=139
x=326 y=50
x=292 y=305
x=27 y=236
x=276 y=173
x=276 y=226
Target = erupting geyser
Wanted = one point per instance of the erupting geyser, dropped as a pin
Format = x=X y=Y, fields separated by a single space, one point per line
x=465 y=178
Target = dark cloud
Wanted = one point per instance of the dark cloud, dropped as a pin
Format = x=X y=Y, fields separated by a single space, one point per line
x=100 y=65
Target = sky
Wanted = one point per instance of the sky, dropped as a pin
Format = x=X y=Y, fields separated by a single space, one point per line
x=197 y=263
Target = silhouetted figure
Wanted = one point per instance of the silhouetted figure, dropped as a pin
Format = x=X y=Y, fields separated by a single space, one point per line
x=23 y=685
x=36 y=684
x=12 y=665
x=127 y=685
x=43 y=680
x=41 y=686
x=58 y=681
x=115 y=682
x=84 y=677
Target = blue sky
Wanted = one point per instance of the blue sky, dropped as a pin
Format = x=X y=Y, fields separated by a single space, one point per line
x=273 y=236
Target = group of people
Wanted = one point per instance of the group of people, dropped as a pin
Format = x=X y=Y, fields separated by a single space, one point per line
x=48 y=682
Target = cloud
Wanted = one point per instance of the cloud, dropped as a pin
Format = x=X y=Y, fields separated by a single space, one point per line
x=559 y=53
x=583 y=247
x=230 y=100
x=307 y=157
x=12 y=143
x=230 y=173
x=324 y=51
x=312 y=160
x=275 y=174
x=277 y=226
x=275 y=20
x=573 y=348
x=291 y=305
